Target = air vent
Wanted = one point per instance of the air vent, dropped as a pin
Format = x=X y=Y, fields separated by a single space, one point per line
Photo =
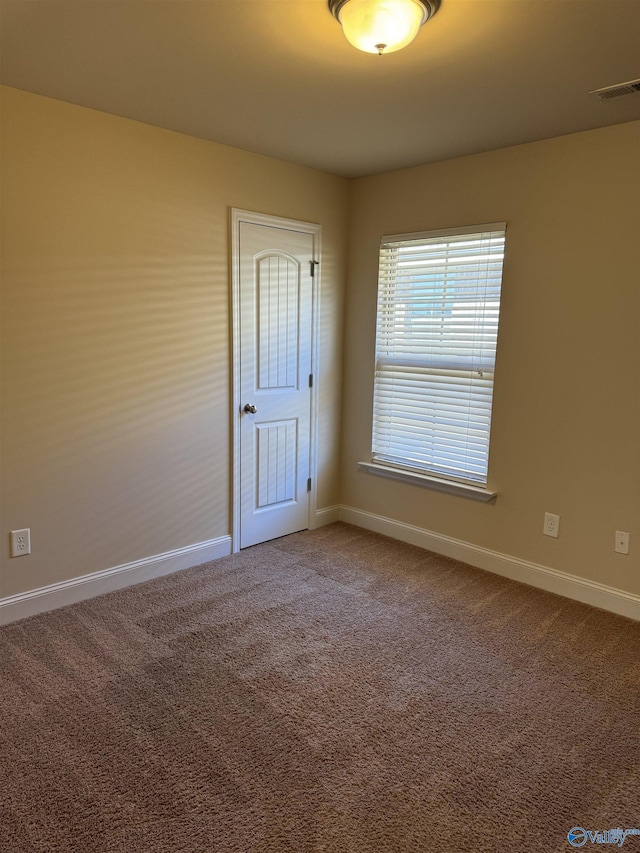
x=632 y=87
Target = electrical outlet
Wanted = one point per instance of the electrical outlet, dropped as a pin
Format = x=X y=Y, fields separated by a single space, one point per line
x=551 y=525
x=622 y=542
x=21 y=542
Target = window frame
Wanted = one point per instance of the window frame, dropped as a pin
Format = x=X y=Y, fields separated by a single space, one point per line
x=426 y=363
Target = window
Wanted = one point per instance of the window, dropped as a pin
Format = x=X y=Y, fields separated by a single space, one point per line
x=438 y=308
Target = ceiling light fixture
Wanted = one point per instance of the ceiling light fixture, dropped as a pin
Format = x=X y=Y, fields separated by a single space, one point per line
x=382 y=26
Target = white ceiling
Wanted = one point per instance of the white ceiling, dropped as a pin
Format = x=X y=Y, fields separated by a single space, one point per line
x=277 y=76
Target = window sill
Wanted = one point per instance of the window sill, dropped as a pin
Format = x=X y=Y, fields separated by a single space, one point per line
x=463 y=490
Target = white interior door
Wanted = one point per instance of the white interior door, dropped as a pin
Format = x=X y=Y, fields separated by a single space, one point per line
x=275 y=306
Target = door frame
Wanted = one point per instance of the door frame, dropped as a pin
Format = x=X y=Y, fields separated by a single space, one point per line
x=239 y=216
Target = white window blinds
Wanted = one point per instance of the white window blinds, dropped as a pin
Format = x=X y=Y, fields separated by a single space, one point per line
x=438 y=308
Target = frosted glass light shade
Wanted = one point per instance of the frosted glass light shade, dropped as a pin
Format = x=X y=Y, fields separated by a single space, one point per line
x=381 y=26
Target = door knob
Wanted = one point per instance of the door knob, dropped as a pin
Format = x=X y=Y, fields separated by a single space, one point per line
x=250 y=409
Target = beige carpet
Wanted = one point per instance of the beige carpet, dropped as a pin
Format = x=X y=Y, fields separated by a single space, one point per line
x=331 y=691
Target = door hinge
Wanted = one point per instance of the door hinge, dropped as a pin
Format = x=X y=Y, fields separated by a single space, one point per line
x=311 y=380
x=312 y=268
x=309 y=484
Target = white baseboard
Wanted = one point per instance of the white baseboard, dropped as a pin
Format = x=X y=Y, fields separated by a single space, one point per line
x=87 y=586
x=570 y=586
x=327 y=515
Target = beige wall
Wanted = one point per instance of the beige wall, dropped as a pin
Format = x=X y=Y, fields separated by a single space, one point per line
x=566 y=422
x=115 y=337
